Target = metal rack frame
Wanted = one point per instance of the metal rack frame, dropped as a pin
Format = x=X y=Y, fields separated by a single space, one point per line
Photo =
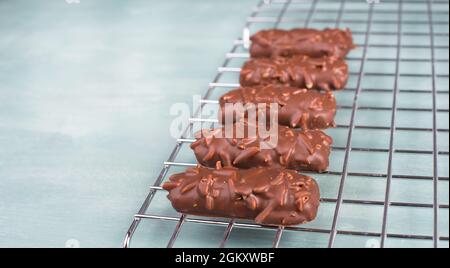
x=354 y=108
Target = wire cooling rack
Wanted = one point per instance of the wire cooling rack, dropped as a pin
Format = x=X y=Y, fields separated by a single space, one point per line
x=388 y=179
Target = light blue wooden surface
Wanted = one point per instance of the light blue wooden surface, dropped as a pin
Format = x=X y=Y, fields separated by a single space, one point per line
x=85 y=92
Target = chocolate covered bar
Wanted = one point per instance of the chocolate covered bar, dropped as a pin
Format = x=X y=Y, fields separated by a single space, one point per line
x=294 y=149
x=333 y=43
x=308 y=109
x=266 y=195
x=298 y=71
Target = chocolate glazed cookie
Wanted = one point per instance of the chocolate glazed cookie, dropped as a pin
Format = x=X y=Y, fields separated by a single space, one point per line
x=294 y=149
x=334 y=43
x=308 y=109
x=267 y=195
x=298 y=71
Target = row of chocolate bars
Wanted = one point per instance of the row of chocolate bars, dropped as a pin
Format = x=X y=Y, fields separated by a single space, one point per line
x=297 y=69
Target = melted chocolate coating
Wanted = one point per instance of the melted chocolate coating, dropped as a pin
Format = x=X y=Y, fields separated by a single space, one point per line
x=298 y=71
x=299 y=150
x=333 y=43
x=308 y=109
x=266 y=195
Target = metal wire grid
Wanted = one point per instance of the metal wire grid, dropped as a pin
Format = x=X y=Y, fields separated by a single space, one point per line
x=344 y=173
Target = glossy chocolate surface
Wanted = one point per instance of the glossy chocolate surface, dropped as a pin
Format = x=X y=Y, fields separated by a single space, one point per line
x=297 y=108
x=294 y=149
x=333 y=43
x=298 y=71
x=266 y=195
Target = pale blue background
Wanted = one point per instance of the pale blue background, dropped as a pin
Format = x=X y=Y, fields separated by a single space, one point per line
x=85 y=92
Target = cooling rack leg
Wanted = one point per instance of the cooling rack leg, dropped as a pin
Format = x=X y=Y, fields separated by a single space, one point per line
x=226 y=234
x=174 y=236
x=276 y=241
x=129 y=234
